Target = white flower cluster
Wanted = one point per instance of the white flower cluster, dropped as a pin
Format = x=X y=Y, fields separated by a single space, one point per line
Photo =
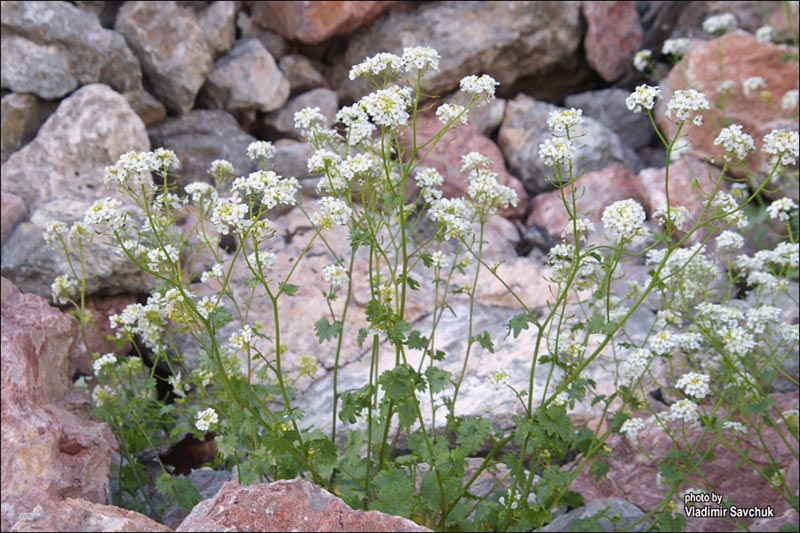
x=500 y=379
x=644 y=97
x=719 y=24
x=132 y=169
x=679 y=216
x=695 y=385
x=206 y=419
x=229 y=214
x=220 y=169
x=63 y=288
x=625 y=220
x=453 y=215
x=725 y=205
x=201 y=193
x=641 y=60
x=268 y=187
x=420 y=58
x=479 y=85
x=726 y=87
x=242 y=338
x=766 y=34
x=356 y=121
x=631 y=428
x=753 y=84
x=556 y=151
x=417 y=58
x=635 y=365
x=783 y=145
x=148 y=321
x=448 y=113
x=686 y=102
x=108 y=359
x=563 y=121
x=105 y=215
x=735 y=142
x=729 y=240
x=332 y=212
x=439 y=259
x=684 y=410
x=676 y=47
x=388 y=107
x=790 y=99
x=336 y=275
x=736 y=427
x=687 y=271
x=260 y=150
x=782 y=209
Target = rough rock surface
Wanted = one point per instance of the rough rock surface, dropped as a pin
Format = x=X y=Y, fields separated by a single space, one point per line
x=742 y=57
x=288 y=505
x=75 y=514
x=280 y=123
x=48 y=452
x=12 y=212
x=617 y=514
x=245 y=80
x=613 y=35
x=52 y=48
x=506 y=40
x=607 y=106
x=302 y=73
x=524 y=128
x=218 y=21
x=22 y=115
x=314 y=22
x=171 y=48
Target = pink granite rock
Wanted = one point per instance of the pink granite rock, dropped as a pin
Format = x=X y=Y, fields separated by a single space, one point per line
x=613 y=35
x=287 y=505
x=75 y=514
x=314 y=22
x=12 y=211
x=632 y=473
x=48 y=452
x=458 y=142
x=737 y=56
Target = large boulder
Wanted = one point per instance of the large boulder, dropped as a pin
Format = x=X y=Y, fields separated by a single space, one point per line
x=22 y=115
x=76 y=514
x=613 y=35
x=507 y=40
x=48 y=452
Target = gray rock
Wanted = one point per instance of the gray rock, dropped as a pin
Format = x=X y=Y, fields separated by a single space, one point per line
x=272 y=41
x=12 y=212
x=607 y=106
x=207 y=482
x=52 y=48
x=22 y=114
x=200 y=137
x=280 y=123
x=219 y=26
x=291 y=159
x=507 y=40
x=106 y=12
x=524 y=128
x=301 y=72
x=171 y=47
x=612 y=514
x=245 y=80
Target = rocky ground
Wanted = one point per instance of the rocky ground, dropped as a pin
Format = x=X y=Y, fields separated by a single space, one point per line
x=85 y=82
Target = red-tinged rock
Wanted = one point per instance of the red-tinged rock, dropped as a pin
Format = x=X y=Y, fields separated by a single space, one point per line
x=456 y=143
x=595 y=191
x=288 y=505
x=12 y=211
x=48 y=452
x=76 y=514
x=633 y=473
x=613 y=34
x=100 y=308
x=314 y=22
x=736 y=56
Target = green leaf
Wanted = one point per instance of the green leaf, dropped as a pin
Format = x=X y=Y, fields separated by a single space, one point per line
x=288 y=289
x=399 y=383
x=362 y=336
x=327 y=331
x=437 y=378
x=352 y=403
x=484 y=340
x=472 y=433
x=395 y=491
x=518 y=323
x=598 y=469
x=759 y=407
x=178 y=489
x=220 y=316
x=416 y=341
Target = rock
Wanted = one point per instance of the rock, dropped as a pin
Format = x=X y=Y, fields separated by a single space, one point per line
x=632 y=473
x=594 y=190
x=52 y=48
x=742 y=56
x=291 y=160
x=88 y=131
x=286 y=505
x=100 y=308
x=280 y=123
x=505 y=40
x=613 y=34
x=22 y=114
x=301 y=72
x=245 y=80
x=48 y=453
x=171 y=47
x=524 y=128
x=150 y=110
x=314 y=22
x=273 y=42
x=12 y=212
x=456 y=143
x=200 y=137
x=613 y=514
x=76 y=514
x=106 y=12
x=218 y=22
x=485 y=116
x=607 y=106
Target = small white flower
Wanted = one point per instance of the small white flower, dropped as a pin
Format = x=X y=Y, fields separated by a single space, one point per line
x=448 y=113
x=108 y=359
x=685 y=102
x=735 y=142
x=641 y=60
x=685 y=410
x=719 y=24
x=631 y=428
x=625 y=219
x=789 y=100
x=695 y=385
x=736 y=427
x=336 y=275
x=500 y=379
x=260 y=150
x=420 y=58
x=229 y=213
x=476 y=85
x=388 y=107
x=726 y=87
x=782 y=144
x=382 y=63
x=752 y=84
x=63 y=288
x=220 y=168
x=766 y=34
x=308 y=118
x=556 y=151
x=206 y=419
x=644 y=97
x=439 y=259
x=563 y=121
x=332 y=212
x=676 y=47
x=782 y=209
x=679 y=215
x=200 y=192
x=474 y=161
x=178 y=386
x=729 y=240
x=55 y=231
